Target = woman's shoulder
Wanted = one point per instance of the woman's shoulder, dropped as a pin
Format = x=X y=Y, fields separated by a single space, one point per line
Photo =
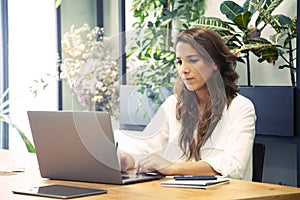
x=171 y=99
x=242 y=101
x=169 y=103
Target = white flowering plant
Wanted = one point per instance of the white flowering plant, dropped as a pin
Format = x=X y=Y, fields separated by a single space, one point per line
x=90 y=69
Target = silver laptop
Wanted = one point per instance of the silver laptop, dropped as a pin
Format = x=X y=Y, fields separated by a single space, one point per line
x=78 y=146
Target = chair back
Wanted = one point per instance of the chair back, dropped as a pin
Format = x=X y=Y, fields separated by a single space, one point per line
x=258 y=161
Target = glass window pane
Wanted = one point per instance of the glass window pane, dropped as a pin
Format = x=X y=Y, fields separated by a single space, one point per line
x=32 y=55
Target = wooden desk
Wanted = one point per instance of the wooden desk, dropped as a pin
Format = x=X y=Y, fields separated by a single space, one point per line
x=236 y=189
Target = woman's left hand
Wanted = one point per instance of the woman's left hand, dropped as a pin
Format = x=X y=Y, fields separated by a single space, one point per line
x=152 y=163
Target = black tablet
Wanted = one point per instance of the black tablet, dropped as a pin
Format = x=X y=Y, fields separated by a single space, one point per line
x=59 y=191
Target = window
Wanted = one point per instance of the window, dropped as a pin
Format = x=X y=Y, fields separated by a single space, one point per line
x=32 y=55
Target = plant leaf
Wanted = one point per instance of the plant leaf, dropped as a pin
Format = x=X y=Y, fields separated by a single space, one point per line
x=232 y=41
x=230 y=9
x=242 y=20
x=215 y=24
x=251 y=46
x=148 y=52
x=58 y=3
x=268 y=8
x=264 y=16
x=271 y=5
x=283 y=66
x=247 y=6
x=4 y=95
x=29 y=146
x=283 y=21
x=165 y=22
x=269 y=54
x=276 y=38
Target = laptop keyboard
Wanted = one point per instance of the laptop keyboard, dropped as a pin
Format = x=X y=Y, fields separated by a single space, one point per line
x=132 y=175
x=129 y=175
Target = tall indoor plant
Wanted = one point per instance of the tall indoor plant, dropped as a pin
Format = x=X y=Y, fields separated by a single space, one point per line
x=243 y=38
x=157 y=22
x=286 y=34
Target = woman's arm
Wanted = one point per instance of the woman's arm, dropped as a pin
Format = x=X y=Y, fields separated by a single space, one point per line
x=191 y=168
x=154 y=162
x=232 y=155
x=154 y=137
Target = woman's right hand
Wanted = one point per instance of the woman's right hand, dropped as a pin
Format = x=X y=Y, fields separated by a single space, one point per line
x=126 y=162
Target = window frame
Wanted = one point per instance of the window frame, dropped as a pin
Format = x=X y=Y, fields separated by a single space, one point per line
x=4 y=136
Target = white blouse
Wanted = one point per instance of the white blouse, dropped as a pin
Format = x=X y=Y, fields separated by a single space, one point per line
x=228 y=150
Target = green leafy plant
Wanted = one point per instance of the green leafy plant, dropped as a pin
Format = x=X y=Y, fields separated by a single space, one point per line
x=4 y=116
x=286 y=34
x=58 y=3
x=157 y=21
x=243 y=38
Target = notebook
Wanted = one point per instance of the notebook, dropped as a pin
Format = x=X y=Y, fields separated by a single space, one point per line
x=204 y=184
x=78 y=146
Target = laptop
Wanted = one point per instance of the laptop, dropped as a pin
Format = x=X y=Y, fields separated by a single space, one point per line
x=79 y=146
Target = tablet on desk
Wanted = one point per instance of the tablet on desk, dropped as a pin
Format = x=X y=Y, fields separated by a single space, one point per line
x=59 y=191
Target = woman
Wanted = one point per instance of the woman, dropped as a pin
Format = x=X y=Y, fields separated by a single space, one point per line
x=207 y=127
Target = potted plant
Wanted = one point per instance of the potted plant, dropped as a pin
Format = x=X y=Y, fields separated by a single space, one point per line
x=243 y=39
x=157 y=22
x=151 y=55
x=4 y=117
x=286 y=33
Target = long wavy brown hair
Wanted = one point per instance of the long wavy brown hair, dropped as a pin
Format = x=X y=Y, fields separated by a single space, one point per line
x=195 y=130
